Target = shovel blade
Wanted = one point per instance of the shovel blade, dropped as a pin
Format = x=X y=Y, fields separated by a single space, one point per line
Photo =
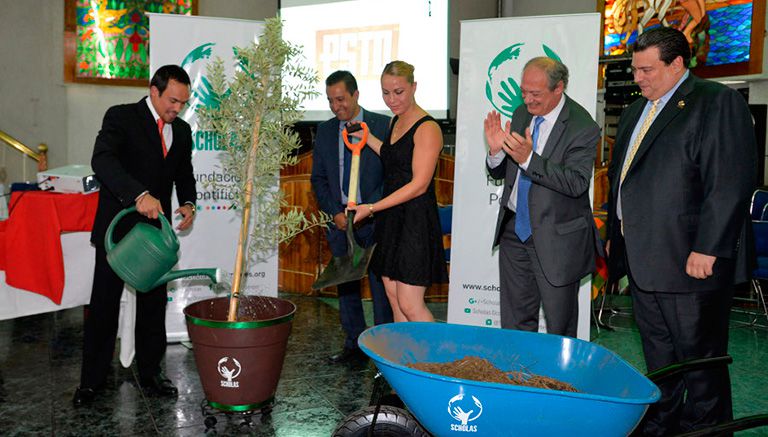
x=347 y=268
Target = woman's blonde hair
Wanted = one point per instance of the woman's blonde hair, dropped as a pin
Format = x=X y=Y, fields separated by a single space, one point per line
x=399 y=68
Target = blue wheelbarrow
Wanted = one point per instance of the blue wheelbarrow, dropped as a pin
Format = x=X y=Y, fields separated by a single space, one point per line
x=611 y=400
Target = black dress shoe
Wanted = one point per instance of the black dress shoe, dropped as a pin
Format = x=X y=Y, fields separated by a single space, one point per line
x=349 y=356
x=83 y=396
x=159 y=385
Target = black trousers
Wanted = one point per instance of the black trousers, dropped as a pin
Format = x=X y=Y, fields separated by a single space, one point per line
x=680 y=326
x=102 y=322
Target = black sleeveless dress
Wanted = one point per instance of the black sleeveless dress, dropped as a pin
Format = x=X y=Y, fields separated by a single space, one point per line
x=409 y=239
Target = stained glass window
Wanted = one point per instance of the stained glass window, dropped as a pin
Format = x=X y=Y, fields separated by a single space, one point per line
x=112 y=37
x=718 y=30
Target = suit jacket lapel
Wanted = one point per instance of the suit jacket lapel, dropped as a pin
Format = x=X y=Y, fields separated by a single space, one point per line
x=150 y=127
x=176 y=138
x=670 y=111
x=557 y=129
x=631 y=114
x=333 y=153
x=366 y=153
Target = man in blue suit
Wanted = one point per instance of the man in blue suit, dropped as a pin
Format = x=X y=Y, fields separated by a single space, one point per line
x=330 y=180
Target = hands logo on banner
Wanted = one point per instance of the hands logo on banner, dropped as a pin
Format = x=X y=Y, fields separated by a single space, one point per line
x=501 y=88
x=202 y=92
x=215 y=189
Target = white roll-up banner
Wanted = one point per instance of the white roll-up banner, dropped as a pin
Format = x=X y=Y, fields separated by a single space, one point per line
x=192 y=42
x=492 y=55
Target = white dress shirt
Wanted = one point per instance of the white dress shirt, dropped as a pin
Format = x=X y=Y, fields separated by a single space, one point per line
x=167 y=128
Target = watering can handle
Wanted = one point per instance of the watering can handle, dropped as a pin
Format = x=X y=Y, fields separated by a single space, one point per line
x=109 y=243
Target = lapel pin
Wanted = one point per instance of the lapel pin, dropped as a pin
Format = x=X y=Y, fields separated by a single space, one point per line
x=681 y=104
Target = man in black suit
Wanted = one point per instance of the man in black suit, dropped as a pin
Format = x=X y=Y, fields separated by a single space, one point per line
x=330 y=183
x=680 y=182
x=545 y=228
x=141 y=152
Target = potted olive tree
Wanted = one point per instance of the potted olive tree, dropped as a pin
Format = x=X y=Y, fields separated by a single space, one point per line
x=240 y=341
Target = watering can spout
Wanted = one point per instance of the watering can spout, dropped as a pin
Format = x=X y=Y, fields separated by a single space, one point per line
x=145 y=256
x=213 y=273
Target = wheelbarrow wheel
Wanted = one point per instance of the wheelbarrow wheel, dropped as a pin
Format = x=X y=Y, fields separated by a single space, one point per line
x=390 y=422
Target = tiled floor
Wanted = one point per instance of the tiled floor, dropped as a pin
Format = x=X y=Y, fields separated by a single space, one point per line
x=40 y=361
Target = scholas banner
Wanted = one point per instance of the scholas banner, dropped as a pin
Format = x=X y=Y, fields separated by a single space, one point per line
x=492 y=55
x=193 y=42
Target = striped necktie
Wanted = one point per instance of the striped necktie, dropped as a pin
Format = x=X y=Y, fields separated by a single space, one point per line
x=636 y=145
x=160 y=126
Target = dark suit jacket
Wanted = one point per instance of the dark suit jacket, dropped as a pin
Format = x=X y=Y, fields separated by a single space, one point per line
x=325 y=176
x=563 y=228
x=128 y=160
x=687 y=189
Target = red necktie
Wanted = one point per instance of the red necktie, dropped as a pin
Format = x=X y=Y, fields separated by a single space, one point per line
x=160 y=125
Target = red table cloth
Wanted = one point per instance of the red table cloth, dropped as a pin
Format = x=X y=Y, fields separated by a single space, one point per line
x=30 y=239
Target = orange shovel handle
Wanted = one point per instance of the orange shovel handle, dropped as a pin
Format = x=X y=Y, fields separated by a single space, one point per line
x=354 y=170
x=356 y=148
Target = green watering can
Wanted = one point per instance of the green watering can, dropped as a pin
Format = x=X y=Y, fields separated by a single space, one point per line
x=145 y=256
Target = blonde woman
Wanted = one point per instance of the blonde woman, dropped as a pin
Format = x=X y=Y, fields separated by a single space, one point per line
x=409 y=254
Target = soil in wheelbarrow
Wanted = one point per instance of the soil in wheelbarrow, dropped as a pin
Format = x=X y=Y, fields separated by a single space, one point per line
x=480 y=369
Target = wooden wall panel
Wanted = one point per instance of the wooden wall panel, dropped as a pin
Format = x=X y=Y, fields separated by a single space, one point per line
x=601 y=188
x=300 y=259
x=444 y=180
x=303 y=166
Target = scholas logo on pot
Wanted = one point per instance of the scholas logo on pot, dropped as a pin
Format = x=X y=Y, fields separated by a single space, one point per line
x=229 y=371
x=464 y=411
